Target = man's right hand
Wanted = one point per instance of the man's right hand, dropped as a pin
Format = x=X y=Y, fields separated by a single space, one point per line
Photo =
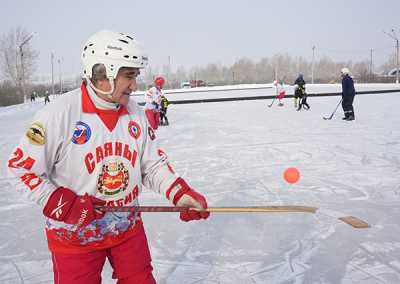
x=66 y=206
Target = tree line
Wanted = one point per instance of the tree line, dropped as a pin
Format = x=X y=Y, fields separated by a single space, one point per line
x=18 y=62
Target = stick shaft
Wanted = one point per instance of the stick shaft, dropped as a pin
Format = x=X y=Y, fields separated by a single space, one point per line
x=333 y=113
x=259 y=209
x=351 y=220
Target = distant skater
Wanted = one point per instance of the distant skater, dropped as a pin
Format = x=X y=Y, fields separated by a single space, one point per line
x=348 y=93
x=300 y=95
x=33 y=96
x=280 y=93
x=153 y=102
x=46 y=97
x=163 y=111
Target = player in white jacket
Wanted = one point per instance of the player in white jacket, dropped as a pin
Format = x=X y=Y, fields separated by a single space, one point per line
x=94 y=147
x=153 y=102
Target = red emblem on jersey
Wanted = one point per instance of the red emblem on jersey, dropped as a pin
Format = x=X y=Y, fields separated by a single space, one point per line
x=113 y=178
x=134 y=129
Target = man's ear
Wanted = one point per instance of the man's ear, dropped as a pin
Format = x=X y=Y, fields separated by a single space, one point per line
x=103 y=84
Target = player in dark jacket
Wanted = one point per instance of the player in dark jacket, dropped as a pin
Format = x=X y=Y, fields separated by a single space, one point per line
x=163 y=111
x=348 y=93
x=300 y=96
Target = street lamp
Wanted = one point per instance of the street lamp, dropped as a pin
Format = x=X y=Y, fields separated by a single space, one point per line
x=393 y=36
x=59 y=65
x=312 y=65
x=52 y=72
x=22 y=77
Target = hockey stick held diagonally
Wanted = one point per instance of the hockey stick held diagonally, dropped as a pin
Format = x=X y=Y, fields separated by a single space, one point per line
x=270 y=105
x=352 y=221
x=333 y=113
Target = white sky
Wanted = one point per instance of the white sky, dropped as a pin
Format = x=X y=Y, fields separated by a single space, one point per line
x=197 y=33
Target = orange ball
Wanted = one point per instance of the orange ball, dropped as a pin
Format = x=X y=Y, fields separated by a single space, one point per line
x=291 y=175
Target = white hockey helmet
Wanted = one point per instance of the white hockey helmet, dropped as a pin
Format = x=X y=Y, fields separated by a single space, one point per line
x=114 y=50
x=345 y=71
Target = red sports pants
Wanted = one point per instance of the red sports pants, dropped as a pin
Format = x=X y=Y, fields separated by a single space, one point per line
x=153 y=117
x=130 y=260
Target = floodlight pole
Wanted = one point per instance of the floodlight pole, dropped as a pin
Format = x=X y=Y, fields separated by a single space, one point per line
x=52 y=73
x=59 y=68
x=397 y=61
x=312 y=65
x=370 y=65
x=169 y=72
x=393 y=36
x=22 y=75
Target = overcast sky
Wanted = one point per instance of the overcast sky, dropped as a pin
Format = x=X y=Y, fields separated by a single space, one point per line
x=209 y=31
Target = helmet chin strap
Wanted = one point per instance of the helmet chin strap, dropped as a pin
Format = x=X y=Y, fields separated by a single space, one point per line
x=107 y=93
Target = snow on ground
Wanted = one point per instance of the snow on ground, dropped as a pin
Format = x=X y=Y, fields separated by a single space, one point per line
x=235 y=153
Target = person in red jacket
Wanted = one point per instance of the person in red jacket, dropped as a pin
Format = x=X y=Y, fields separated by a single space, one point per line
x=153 y=102
x=94 y=147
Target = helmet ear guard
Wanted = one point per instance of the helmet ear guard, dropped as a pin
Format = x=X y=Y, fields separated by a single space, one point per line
x=113 y=50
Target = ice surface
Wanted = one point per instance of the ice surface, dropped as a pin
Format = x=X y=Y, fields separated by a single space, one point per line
x=235 y=153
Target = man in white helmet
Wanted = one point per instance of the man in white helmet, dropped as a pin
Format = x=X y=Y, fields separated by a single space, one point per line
x=93 y=147
x=348 y=93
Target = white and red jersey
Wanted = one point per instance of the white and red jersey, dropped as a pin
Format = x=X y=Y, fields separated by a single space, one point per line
x=106 y=153
x=153 y=99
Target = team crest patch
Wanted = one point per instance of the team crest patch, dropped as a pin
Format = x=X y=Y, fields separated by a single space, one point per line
x=81 y=133
x=113 y=179
x=36 y=134
x=152 y=135
x=134 y=129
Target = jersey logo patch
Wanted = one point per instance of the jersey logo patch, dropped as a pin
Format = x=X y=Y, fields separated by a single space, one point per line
x=134 y=129
x=36 y=134
x=81 y=133
x=113 y=179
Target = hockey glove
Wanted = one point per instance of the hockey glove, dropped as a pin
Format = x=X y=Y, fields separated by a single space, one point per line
x=183 y=196
x=66 y=206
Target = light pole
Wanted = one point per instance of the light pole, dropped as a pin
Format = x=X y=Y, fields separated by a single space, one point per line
x=169 y=71
x=52 y=73
x=59 y=67
x=370 y=66
x=22 y=75
x=393 y=36
x=312 y=65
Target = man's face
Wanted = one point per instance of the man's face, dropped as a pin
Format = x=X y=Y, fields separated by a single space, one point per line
x=125 y=84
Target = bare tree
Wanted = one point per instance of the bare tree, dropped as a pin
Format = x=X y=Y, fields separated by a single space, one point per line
x=389 y=64
x=361 y=71
x=17 y=57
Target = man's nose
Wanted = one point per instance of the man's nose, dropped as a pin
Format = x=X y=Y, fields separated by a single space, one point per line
x=133 y=86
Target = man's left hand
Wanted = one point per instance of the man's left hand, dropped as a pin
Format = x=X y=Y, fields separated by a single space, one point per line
x=184 y=196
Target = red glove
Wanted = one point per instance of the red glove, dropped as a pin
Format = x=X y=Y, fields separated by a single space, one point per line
x=183 y=196
x=66 y=206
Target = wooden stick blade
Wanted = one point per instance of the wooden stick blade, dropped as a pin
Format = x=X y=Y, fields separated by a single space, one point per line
x=355 y=222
